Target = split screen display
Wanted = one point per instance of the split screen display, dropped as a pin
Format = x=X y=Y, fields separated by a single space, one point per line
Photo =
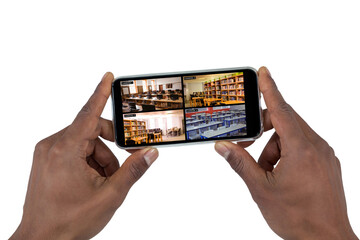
x=183 y=108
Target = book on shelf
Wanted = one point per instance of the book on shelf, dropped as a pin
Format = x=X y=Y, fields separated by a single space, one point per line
x=240 y=78
x=240 y=92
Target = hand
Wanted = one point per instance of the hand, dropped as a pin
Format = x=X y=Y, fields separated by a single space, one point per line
x=76 y=183
x=302 y=197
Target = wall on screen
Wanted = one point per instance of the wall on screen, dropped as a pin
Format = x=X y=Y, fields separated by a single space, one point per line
x=176 y=83
x=193 y=87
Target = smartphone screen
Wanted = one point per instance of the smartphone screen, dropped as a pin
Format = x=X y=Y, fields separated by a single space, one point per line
x=184 y=107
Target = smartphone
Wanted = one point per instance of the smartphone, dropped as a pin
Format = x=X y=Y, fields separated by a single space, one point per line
x=186 y=107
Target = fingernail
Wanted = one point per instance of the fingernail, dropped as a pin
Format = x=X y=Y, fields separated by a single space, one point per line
x=105 y=75
x=222 y=149
x=267 y=71
x=151 y=155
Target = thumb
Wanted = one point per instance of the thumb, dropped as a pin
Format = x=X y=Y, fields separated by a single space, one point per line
x=132 y=169
x=241 y=161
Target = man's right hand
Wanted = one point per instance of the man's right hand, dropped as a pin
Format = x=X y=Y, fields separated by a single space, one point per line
x=297 y=180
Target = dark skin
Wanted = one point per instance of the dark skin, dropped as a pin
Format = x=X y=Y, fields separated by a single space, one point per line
x=76 y=183
x=303 y=196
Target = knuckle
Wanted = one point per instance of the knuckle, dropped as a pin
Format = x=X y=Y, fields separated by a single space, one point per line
x=56 y=150
x=338 y=164
x=236 y=162
x=331 y=150
x=325 y=149
x=260 y=197
x=99 y=93
x=284 y=107
x=308 y=150
x=86 y=108
x=328 y=149
x=136 y=171
x=86 y=124
x=323 y=145
x=41 y=146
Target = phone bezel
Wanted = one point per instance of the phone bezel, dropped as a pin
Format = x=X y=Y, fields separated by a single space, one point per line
x=252 y=103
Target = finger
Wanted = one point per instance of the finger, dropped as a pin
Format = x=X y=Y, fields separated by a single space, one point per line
x=106 y=129
x=271 y=153
x=96 y=166
x=87 y=120
x=132 y=150
x=132 y=170
x=105 y=158
x=267 y=120
x=242 y=163
x=245 y=144
x=281 y=114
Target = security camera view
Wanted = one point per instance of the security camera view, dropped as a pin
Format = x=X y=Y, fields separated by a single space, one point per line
x=151 y=94
x=154 y=127
x=215 y=122
x=214 y=89
x=183 y=108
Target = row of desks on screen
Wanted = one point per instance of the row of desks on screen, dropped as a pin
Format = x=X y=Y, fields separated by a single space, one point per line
x=202 y=127
x=218 y=114
x=180 y=101
x=167 y=103
x=226 y=119
x=222 y=132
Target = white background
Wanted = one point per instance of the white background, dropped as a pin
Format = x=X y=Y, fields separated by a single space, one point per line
x=53 y=54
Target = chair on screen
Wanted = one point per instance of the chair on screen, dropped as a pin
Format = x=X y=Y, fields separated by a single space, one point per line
x=174 y=96
x=130 y=142
x=151 y=137
x=132 y=107
x=147 y=107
